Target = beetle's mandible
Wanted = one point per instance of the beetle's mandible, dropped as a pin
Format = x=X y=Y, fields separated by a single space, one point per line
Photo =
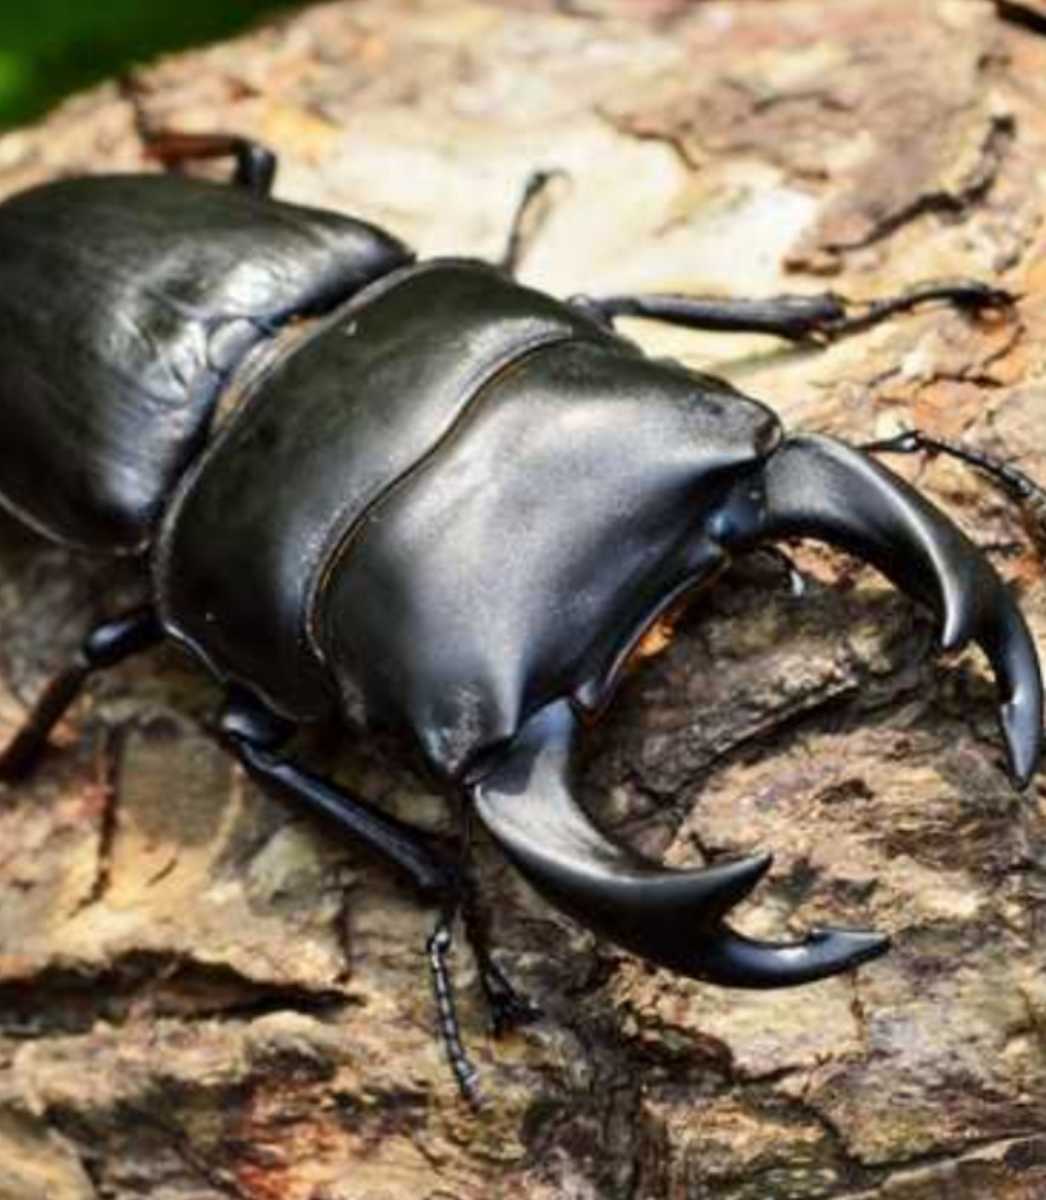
x=488 y=496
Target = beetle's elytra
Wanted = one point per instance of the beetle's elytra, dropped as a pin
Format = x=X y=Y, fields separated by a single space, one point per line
x=425 y=494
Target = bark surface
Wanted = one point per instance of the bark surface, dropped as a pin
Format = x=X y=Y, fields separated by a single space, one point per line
x=204 y=995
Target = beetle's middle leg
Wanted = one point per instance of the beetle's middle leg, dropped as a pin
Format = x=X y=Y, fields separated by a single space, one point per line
x=105 y=646
x=816 y=318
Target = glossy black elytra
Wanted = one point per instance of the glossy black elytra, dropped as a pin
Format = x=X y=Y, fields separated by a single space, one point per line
x=421 y=493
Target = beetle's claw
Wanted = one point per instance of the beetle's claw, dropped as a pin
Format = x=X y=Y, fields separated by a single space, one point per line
x=806 y=486
x=670 y=917
x=817 y=487
x=737 y=961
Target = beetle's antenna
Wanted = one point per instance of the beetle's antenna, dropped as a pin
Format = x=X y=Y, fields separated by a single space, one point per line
x=437 y=948
x=1029 y=496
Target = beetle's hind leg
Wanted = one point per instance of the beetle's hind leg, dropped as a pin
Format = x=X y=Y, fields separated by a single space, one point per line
x=255 y=167
x=105 y=646
x=817 y=318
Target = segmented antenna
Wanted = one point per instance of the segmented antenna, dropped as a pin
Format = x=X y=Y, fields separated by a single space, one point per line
x=1029 y=496
x=438 y=947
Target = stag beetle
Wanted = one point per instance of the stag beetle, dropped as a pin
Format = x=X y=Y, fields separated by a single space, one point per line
x=424 y=495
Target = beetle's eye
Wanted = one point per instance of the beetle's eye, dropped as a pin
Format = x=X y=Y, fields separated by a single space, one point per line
x=738 y=510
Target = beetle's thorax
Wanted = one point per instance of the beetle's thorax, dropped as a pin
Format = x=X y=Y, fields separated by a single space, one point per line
x=322 y=433
x=492 y=498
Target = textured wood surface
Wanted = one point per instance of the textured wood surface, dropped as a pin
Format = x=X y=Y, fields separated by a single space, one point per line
x=203 y=995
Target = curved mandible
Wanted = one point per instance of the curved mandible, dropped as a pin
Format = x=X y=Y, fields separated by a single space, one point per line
x=820 y=488
x=673 y=918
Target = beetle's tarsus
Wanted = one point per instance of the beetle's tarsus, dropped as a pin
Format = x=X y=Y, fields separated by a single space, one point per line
x=104 y=646
x=968 y=295
x=509 y=1009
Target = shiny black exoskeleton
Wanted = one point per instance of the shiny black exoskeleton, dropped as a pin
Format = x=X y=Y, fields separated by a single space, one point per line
x=424 y=495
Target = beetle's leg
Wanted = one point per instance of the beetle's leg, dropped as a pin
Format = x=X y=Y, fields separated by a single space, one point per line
x=508 y=1008
x=254 y=734
x=1029 y=496
x=105 y=646
x=526 y=220
x=255 y=164
x=820 y=318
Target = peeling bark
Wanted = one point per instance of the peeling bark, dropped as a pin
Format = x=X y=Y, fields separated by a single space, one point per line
x=204 y=995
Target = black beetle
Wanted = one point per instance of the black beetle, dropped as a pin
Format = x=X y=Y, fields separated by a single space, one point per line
x=426 y=496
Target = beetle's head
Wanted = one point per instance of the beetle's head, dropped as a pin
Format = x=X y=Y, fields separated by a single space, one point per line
x=797 y=487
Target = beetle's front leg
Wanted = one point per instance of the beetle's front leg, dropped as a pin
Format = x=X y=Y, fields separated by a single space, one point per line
x=255 y=735
x=819 y=318
x=508 y=1007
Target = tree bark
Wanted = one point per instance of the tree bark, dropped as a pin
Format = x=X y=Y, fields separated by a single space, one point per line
x=204 y=995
